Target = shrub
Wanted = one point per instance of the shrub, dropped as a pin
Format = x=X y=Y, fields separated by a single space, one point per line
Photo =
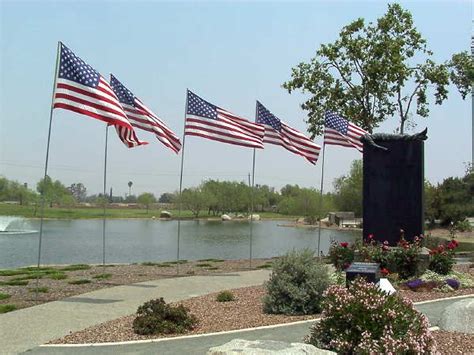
x=296 y=284
x=14 y=283
x=442 y=258
x=39 y=289
x=4 y=296
x=341 y=255
x=157 y=317
x=453 y=283
x=419 y=285
x=463 y=226
x=225 y=296
x=406 y=258
x=464 y=279
x=58 y=276
x=4 y=308
x=102 y=276
x=365 y=320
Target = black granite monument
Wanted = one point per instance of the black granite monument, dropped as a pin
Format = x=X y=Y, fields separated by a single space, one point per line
x=393 y=186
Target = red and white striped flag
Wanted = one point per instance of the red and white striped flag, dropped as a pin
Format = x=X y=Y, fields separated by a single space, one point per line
x=81 y=89
x=206 y=120
x=142 y=117
x=339 y=131
x=278 y=133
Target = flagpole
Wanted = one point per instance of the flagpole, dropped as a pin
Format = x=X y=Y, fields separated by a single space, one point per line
x=181 y=184
x=40 y=239
x=321 y=202
x=105 y=200
x=252 y=207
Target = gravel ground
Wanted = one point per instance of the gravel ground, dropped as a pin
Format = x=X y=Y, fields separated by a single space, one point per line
x=245 y=312
x=24 y=296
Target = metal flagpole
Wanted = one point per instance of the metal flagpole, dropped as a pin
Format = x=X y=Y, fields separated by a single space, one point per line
x=105 y=199
x=181 y=184
x=46 y=167
x=321 y=203
x=252 y=206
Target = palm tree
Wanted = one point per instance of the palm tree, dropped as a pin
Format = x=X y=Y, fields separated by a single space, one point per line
x=130 y=188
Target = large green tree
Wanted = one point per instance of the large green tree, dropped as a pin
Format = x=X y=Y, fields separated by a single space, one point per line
x=146 y=199
x=375 y=71
x=348 y=190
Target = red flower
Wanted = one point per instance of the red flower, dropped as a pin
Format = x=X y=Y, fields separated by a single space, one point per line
x=370 y=236
x=384 y=271
x=344 y=244
x=346 y=265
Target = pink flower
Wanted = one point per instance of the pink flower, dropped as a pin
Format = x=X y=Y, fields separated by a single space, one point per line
x=370 y=236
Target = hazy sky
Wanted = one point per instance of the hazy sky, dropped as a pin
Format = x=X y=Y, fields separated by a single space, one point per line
x=230 y=53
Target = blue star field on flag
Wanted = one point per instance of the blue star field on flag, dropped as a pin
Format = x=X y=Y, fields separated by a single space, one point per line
x=266 y=117
x=73 y=68
x=200 y=107
x=124 y=95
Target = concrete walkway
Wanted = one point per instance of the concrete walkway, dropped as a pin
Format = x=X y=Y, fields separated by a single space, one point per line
x=30 y=327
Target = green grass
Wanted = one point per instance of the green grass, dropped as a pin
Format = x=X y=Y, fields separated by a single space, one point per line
x=97 y=212
x=76 y=267
x=5 y=308
x=176 y=262
x=14 y=283
x=39 y=289
x=204 y=265
x=79 y=282
x=102 y=276
x=4 y=296
x=14 y=272
x=57 y=276
x=212 y=260
x=30 y=276
x=265 y=266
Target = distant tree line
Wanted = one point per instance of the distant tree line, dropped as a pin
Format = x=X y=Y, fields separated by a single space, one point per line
x=450 y=201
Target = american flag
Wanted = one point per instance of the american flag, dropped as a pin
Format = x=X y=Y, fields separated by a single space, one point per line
x=339 y=131
x=206 y=120
x=81 y=89
x=142 y=117
x=278 y=133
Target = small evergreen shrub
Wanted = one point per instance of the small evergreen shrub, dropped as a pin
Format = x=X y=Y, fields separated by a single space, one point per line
x=39 y=289
x=463 y=226
x=157 y=317
x=364 y=320
x=225 y=296
x=341 y=255
x=102 y=276
x=58 y=276
x=296 y=284
x=5 y=308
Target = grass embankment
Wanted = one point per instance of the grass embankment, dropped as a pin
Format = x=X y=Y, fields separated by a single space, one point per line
x=93 y=212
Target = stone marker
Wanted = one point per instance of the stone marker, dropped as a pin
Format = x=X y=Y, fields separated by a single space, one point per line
x=369 y=271
x=458 y=317
x=226 y=217
x=386 y=286
x=264 y=347
x=165 y=214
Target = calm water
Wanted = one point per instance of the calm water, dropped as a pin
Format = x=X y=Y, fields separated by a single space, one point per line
x=127 y=241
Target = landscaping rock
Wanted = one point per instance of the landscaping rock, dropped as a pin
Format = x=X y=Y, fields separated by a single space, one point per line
x=165 y=214
x=263 y=347
x=226 y=217
x=255 y=217
x=459 y=317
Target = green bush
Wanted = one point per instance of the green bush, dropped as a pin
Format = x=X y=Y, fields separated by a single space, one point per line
x=296 y=284
x=4 y=296
x=14 y=283
x=157 y=317
x=225 y=296
x=341 y=255
x=365 y=320
x=58 y=276
x=102 y=276
x=4 y=308
x=39 y=289
x=442 y=257
x=76 y=267
x=463 y=226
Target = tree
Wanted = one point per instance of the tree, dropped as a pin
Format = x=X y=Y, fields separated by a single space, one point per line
x=348 y=190
x=79 y=191
x=130 y=188
x=375 y=71
x=167 y=197
x=194 y=200
x=146 y=199
x=52 y=191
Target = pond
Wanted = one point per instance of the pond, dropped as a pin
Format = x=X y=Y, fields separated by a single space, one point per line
x=139 y=240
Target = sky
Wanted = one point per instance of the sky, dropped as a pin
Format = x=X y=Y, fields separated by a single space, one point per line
x=231 y=53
